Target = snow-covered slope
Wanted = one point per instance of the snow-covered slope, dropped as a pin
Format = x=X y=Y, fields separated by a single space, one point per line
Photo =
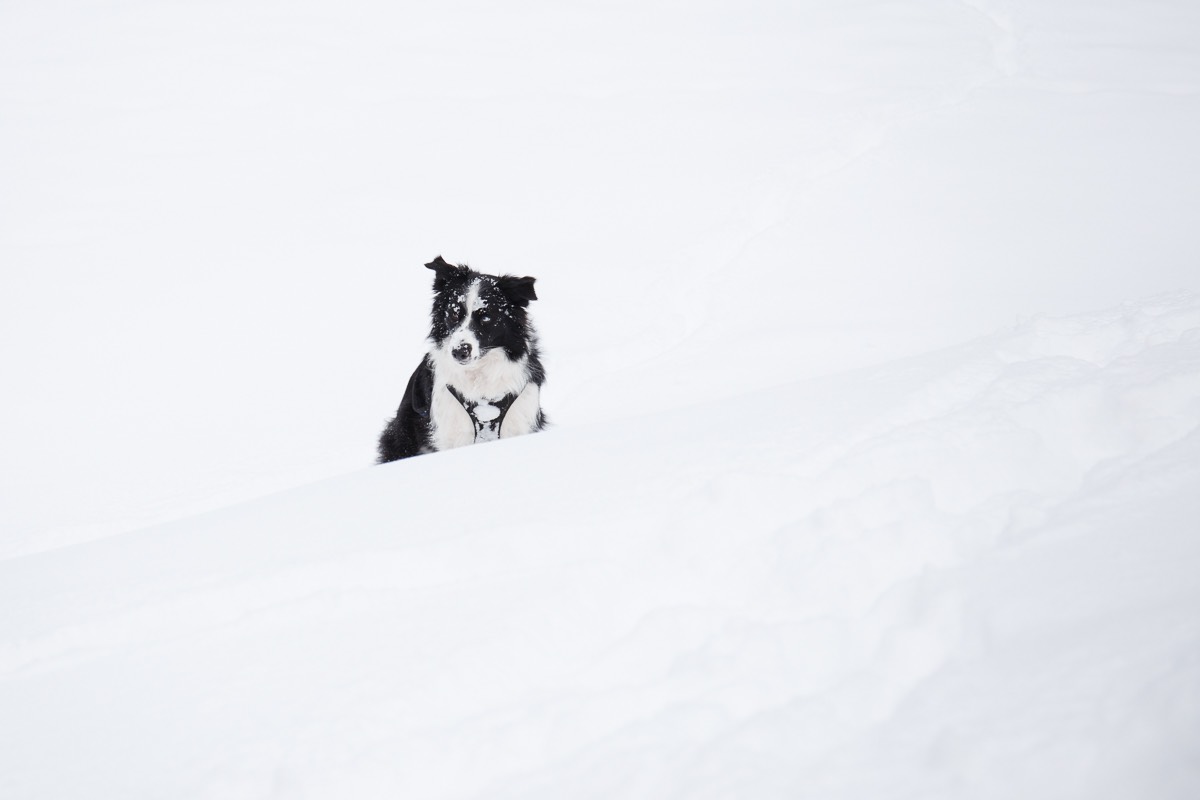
x=970 y=574
x=213 y=216
x=799 y=532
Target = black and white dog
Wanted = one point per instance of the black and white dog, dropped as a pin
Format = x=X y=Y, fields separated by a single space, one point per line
x=482 y=378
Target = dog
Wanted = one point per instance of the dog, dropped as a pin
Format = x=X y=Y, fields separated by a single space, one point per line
x=482 y=377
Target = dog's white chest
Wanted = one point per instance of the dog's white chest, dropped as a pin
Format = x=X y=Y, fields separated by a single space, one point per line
x=452 y=425
x=487 y=387
x=487 y=420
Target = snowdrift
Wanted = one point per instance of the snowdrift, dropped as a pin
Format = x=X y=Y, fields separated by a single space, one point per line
x=213 y=217
x=968 y=574
x=770 y=550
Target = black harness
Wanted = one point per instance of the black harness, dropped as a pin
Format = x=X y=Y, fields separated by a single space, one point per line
x=487 y=415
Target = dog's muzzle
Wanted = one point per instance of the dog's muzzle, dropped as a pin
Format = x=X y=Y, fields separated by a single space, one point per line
x=462 y=353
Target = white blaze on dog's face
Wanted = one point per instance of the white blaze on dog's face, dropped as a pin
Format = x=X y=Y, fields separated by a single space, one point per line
x=463 y=342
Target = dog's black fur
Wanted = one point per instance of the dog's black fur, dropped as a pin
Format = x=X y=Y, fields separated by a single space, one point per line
x=498 y=322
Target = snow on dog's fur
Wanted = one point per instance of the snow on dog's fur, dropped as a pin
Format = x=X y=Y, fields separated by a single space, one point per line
x=481 y=378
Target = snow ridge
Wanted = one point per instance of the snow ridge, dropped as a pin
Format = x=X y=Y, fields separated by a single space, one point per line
x=811 y=601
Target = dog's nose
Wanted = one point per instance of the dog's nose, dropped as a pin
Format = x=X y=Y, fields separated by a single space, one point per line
x=462 y=352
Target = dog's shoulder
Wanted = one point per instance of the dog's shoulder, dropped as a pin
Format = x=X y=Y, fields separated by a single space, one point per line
x=408 y=433
x=420 y=388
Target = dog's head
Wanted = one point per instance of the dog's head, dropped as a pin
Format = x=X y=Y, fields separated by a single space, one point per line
x=474 y=314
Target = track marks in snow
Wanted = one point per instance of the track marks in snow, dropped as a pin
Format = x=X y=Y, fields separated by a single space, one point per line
x=1006 y=44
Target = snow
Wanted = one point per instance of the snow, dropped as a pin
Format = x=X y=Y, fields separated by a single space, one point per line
x=873 y=346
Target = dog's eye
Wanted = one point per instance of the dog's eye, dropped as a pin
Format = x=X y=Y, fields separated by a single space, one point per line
x=453 y=315
x=483 y=316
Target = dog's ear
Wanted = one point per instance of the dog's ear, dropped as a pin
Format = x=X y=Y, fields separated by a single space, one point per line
x=518 y=290
x=441 y=265
x=445 y=271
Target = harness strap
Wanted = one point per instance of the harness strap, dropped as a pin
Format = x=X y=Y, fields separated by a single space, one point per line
x=487 y=415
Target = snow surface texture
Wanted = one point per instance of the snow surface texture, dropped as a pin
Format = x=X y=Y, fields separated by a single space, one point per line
x=969 y=574
x=768 y=551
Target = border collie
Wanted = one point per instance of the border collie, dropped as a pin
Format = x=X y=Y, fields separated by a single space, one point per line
x=482 y=378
